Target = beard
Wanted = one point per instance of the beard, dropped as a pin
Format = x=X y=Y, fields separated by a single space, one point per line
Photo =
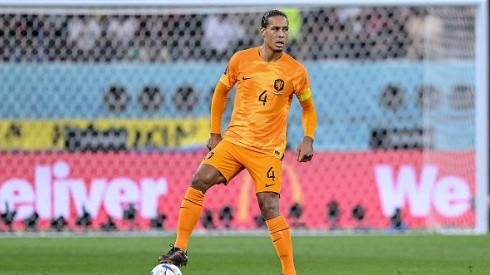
x=278 y=48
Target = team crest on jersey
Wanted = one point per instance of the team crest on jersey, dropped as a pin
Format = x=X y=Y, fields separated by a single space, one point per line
x=278 y=86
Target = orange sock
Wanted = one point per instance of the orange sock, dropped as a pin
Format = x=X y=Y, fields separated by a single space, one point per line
x=281 y=239
x=189 y=212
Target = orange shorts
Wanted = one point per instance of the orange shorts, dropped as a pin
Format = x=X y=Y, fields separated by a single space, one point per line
x=230 y=159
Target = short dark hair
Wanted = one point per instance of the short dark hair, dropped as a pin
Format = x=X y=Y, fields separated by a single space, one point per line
x=269 y=14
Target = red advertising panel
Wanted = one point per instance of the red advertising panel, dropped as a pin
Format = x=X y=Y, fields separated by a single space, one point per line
x=432 y=189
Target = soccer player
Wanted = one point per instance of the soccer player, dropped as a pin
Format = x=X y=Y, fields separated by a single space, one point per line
x=266 y=79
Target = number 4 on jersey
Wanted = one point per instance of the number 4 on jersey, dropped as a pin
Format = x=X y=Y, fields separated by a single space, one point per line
x=263 y=97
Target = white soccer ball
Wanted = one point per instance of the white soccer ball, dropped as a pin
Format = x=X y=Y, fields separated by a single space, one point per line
x=166 y=269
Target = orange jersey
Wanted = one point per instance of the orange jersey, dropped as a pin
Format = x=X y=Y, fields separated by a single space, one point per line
x=263 y=98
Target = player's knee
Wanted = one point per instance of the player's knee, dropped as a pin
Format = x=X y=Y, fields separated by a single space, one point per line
x=200 y=183
x=269 y=205
x=205 y=177
x=204 y=181
x=269 y=212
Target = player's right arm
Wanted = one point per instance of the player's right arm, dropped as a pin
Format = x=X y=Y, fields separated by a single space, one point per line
x=218 y=105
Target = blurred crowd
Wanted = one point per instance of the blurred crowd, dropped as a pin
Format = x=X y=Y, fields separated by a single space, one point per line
x=315 y=34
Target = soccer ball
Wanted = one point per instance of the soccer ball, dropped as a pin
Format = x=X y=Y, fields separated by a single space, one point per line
x=165 y=269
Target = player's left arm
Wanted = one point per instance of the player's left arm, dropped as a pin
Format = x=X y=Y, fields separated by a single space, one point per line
x=305 y=148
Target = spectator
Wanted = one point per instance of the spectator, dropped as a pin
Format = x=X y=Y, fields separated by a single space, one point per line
x=83 y=32
x=425 y=34
x=151 y=42
x=349 y=18
x=221 y=33
x=122 y=29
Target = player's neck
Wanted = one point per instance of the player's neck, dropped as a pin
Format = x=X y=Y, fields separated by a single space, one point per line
x=269 y=55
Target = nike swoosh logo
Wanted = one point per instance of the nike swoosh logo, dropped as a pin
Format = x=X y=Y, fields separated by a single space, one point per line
x=269 y=185
x=246 y=78
x=277 y=239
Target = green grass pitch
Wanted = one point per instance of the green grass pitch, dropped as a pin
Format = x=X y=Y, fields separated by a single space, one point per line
x=358 y=254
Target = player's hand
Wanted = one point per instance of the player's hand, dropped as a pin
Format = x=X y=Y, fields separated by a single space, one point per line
x=305 y=150
x=213 y=140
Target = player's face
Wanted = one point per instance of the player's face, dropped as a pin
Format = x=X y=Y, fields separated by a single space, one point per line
x=276 y=33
